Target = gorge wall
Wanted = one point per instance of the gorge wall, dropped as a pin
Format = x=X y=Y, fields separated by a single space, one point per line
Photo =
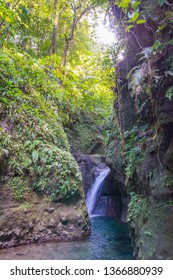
x=141 y=143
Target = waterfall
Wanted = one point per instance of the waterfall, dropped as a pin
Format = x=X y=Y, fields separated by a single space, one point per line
x=94 y=191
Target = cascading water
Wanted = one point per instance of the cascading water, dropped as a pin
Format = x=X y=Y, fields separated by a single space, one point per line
x=94 y=191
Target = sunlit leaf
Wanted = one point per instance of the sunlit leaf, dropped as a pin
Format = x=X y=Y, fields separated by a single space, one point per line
x=129 y=27
x=141 y=21
x=134 y=17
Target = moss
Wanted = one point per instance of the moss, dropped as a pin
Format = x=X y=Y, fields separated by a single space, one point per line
x=86 y=135
x=18 y=187
x=150 y=9
x=25 y=206
x=156 y=233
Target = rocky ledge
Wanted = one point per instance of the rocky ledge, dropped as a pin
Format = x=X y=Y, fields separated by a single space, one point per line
x=37 y=219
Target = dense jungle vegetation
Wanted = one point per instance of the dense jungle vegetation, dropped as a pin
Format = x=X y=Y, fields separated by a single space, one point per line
x=63 y=90
x=54 y=75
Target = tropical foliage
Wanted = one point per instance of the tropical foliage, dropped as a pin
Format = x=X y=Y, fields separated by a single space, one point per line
x=52 y=73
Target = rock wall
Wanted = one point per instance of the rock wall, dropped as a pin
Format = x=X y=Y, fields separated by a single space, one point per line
x=90 y=167
x=141 y=152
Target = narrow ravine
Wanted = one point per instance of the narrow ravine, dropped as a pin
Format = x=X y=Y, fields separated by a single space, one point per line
x=75 y=98
x=109 y=238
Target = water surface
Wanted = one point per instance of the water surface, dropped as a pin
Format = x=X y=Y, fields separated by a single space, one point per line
x=109 y=240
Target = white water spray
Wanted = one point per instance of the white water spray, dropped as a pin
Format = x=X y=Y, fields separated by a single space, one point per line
x=94 y=191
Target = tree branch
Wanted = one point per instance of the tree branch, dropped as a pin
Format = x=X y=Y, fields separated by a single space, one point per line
x=15 y=5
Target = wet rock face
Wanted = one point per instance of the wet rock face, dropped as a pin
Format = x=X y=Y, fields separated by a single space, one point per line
x=146 y=103
x=150 y=218
x=156 y=237
x=90 y=166
x=39 y=220
x=109 y=206
x=169 y=157
x=110 y=200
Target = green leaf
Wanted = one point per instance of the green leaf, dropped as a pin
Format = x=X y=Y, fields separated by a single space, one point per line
x=169 y=93
x=135 y=5
x=4 y=100
x=134 y=17
x=27 y=143
x=161 y=27
x=141 y=21
x=129 y=27
x=124 y=4
x=35 y=155
x=170 y=42
x=3 y=56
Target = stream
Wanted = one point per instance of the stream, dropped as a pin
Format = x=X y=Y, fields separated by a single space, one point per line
x=109 y=240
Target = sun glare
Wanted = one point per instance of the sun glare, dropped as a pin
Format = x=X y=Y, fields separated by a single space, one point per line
x=104 y=35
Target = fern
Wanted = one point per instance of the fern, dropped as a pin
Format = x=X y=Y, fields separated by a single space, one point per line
x=169 y=92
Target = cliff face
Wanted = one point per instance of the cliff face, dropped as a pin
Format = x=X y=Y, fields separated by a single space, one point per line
x=143 y=141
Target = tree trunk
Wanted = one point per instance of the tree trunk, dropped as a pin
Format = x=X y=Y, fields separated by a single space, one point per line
x=53 y=44
x=68 y=40
x=65 y=53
